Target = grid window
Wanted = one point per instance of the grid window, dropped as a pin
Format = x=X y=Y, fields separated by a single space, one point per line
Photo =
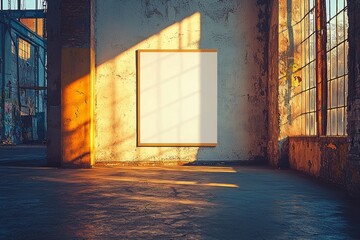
x=337 y=79
x=24 y=49
x=308 y=64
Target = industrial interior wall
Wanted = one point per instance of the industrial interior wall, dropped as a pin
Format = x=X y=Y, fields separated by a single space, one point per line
x=11 y=123
x=237 y=29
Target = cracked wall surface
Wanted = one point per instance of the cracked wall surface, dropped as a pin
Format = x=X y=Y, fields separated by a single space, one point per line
x=238 y=29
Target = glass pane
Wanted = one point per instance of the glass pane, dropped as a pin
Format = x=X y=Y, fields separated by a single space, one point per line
x=332 y=8
x=333 y=63
x=345 y=121
x=327 y=11
x=312 y=99
x=312 y=124
x=306 y=27
x=328 y=123
x=311 y=21
x=333 y=32
x=341 y=92
x=328 y=36
x=312 y=4
x=340 y=27
x=346 y=88
x=307 y=101
x=328 y=59
x=306 y=54
x=303 y=79
x=333 y=121
x=303 y=102
x=346 y=57
x=303 y=124
x=307 y=124
x=313 y=47
x=328 y=94
x=340 y=118
x=346 y=23
x=333 y=86
x=312 y=74
x=341 y=59
x=306 y=77
x=340 y=5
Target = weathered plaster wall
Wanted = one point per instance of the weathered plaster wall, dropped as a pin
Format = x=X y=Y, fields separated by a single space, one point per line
x=238 y=29
x=273 y=85
x=322 y=157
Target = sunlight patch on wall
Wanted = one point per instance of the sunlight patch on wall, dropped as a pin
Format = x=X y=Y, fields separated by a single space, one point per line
x=115 y=109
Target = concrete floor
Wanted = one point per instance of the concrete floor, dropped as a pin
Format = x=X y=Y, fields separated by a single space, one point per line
x=169 y=203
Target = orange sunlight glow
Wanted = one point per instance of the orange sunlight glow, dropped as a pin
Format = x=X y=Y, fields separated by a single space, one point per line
x=115 y=111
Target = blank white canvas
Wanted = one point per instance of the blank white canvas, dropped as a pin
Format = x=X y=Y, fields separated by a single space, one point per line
x=177 y=97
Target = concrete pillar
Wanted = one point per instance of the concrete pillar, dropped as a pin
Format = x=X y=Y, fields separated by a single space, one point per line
x=71 y=73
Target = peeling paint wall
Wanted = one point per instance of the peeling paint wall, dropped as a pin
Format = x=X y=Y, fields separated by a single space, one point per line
x=238 y=29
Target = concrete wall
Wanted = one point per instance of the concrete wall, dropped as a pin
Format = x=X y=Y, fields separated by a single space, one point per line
x=321 y=157
x=238 y=29
x=273 y=84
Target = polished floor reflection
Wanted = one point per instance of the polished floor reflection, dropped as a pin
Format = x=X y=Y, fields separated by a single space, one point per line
x=171 y=203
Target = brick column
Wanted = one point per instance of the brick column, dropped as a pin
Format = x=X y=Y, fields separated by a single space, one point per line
x=353 y=109
x=353 y=128
x=75 y=59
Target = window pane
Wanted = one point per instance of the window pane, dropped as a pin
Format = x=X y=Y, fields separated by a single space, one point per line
x=312 y=99
x=312 y=21
x=307 y=123
x=346 y=88
x=333 y=86
x=340 y=118
x=312 y=74
x=333 y=32
x=328 y=123
x=340 y=5
x=346 y=23
x=346 y=57
x=332 y=8
x=340 y=27
x=327 y=11
x=328 y=95
x=341 y=92
x=328 y=59
x=303 y=124
x=328 y=35
x=341 y=59
x=312 y=4
x=312 y=124
x=333 y=64
x=306 y=77
x=333 y=122
x=307 y=101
